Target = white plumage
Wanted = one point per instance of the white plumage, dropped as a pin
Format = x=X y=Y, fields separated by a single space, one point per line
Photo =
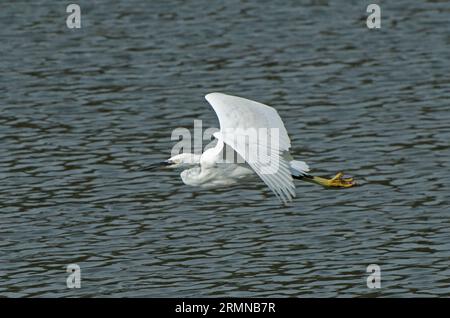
x=236 y=113
x=271 y=161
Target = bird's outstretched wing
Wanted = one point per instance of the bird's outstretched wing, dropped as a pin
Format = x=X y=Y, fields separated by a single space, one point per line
x=238 y=115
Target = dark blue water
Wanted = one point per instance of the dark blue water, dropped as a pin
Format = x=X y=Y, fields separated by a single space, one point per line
x=82 y=108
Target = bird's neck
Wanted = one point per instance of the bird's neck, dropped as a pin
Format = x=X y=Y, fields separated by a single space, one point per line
x=196 y=158
x=211 y=156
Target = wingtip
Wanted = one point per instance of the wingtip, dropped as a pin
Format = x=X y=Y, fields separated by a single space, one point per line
x=209 y=96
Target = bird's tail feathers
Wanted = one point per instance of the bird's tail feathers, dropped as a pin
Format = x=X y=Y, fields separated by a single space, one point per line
x=298 y=168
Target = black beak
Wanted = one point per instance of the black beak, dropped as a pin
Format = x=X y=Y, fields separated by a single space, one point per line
x=157 y=165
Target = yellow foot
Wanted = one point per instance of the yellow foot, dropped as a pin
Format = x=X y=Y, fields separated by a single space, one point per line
x=341 y=181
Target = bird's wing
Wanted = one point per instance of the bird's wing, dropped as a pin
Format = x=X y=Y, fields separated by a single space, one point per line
x=237 y=115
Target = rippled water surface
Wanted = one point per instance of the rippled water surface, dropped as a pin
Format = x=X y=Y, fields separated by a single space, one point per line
x=82 y=109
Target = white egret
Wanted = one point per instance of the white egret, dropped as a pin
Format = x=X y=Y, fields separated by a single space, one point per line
x=272 y=161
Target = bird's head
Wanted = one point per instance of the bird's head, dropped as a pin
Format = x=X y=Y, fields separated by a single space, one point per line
x=182 y=160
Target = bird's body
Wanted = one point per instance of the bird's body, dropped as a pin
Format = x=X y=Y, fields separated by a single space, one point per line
x=228 y=173
x=219 y=176
x=252 y=139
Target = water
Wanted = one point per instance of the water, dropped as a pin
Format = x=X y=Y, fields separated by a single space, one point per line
x=81 y=109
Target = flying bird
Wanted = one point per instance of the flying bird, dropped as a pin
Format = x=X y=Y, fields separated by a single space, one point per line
x=259 y=143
